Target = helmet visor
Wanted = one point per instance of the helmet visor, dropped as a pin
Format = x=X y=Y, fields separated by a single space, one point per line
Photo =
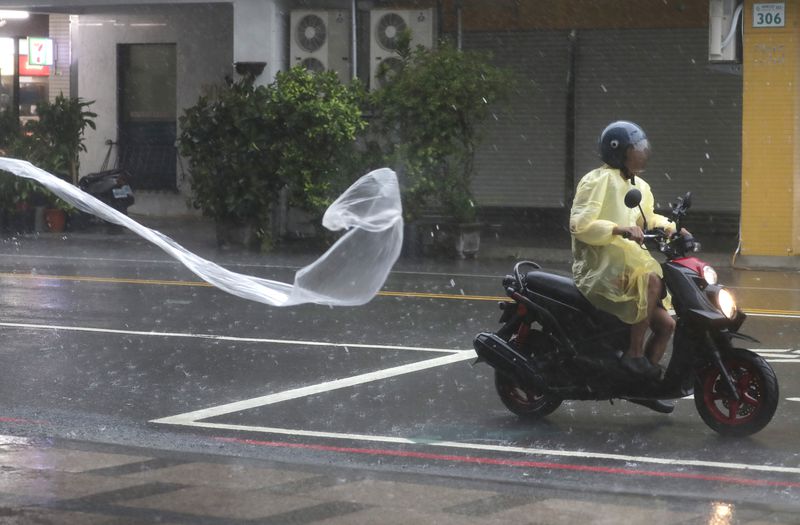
x=643 y=146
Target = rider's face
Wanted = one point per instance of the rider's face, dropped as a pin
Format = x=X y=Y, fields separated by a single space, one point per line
x=636 y=159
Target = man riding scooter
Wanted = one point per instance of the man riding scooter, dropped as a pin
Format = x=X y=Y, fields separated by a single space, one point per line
x=610 y=267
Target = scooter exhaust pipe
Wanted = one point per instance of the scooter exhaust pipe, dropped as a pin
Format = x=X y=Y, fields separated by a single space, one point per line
x=502 y=357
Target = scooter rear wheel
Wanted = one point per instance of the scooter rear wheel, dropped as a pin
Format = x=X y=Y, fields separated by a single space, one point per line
x=756 y=385
x=523 y=400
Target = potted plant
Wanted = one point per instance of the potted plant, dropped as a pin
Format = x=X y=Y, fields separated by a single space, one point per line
x=24 y=200
x=60 y=129
x=433 y=106
x=53 y=143
x=18 y=200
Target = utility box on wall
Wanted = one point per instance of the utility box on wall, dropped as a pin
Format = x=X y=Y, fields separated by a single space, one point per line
x=724 y=32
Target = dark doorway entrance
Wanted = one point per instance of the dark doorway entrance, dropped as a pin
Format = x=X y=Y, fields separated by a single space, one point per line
x=147 y=114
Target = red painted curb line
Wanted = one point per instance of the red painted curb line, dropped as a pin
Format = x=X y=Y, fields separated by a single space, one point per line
x=515 y=463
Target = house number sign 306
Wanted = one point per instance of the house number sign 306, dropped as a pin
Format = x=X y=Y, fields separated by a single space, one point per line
x=769 y=15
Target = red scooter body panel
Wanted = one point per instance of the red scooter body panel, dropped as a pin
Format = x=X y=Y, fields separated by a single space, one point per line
x=693 y=263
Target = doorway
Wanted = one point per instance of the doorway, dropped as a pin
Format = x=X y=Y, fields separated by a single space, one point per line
x=147 y=119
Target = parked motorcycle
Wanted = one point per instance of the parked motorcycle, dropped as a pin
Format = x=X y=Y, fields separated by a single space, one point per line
x=555 y=345
x=109 y=186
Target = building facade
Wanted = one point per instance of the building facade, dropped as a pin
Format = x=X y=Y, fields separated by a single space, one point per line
x=580 y=64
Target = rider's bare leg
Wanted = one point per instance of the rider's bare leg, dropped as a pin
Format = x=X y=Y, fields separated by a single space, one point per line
x=639 y=330
x=662 y=325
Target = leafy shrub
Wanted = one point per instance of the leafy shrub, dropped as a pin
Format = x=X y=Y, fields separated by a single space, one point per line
x=246 y=142
x=433 y=105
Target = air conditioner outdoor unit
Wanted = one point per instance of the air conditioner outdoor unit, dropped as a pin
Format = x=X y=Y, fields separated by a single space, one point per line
x=386 y=25
x=320 y=41
x=723 y=21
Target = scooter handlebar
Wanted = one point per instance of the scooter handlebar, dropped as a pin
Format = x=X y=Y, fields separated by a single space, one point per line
x=658 y=233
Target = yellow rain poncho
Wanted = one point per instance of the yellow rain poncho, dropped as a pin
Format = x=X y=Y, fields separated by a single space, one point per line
x=611 y=271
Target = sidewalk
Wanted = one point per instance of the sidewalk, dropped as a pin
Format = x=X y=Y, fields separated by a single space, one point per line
x=556 y=247
x=76 y=482
x=549 y=245
x=545 y=245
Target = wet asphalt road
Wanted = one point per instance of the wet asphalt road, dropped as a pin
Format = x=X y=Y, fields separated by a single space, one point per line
x=106 y=339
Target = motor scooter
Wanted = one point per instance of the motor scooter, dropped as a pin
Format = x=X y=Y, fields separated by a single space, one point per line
x=111 y=186
x=554 y=345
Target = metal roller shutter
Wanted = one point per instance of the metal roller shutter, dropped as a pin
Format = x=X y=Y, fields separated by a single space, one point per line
x=661 y=80
x=521 y=160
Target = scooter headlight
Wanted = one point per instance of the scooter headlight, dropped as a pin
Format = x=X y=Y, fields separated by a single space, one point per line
x=710 y=275
x=726 y=303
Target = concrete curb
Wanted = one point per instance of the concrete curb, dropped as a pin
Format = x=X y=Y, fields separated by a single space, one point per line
x=755 y=262
x=543 y=254
x=200 y=234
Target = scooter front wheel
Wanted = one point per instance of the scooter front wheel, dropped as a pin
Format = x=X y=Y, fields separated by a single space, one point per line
x=524 y=400
x=757 y=389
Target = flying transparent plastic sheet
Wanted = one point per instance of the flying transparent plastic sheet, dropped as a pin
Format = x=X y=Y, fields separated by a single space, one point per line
x=350 y=273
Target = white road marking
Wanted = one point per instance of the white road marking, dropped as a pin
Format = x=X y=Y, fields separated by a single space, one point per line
x=781 y=355
x=773 y=355
x=247 y=404
x=194 y=419
x=764 y=288
x=224 y=338
x=778 y=355
x=780 y=316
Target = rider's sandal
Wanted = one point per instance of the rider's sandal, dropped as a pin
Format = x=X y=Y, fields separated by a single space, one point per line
x=641 y=366
x=664 y=407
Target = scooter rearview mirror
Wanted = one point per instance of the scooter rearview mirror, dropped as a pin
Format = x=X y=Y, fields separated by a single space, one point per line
x=633 y=198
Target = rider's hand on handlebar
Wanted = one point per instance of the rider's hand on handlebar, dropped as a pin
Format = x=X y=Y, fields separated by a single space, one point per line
x=633 y=233
x=684 y=233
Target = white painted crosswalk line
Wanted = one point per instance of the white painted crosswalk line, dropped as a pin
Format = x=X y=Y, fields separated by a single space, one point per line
x=779 y=355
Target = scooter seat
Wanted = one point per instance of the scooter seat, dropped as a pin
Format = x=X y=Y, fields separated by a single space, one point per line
x=102 y=181
x=99 y=175
x=561 y=289
x=558 y=287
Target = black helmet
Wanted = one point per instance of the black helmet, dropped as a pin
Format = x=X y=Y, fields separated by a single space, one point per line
x=615 y=140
